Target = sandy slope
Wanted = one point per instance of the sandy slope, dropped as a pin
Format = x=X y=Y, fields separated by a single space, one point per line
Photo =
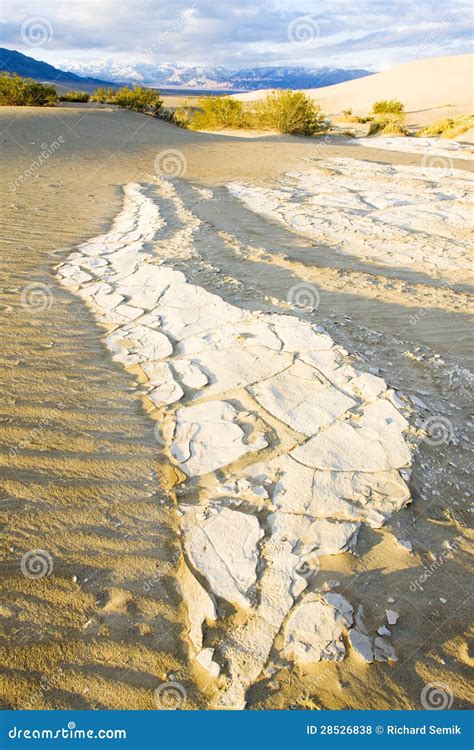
x=81 y=472
x=421 y=85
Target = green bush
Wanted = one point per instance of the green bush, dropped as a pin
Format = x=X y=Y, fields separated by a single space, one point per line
x=388 y=107
x=75 y=96
x=218 y=112
x=291 y=112
x=138 y=98
x=25 y=92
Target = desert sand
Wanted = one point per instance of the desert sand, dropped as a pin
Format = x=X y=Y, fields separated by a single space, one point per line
x=197 y=513
x=411 y=83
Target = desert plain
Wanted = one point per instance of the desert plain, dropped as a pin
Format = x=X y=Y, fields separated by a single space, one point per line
x=236 y=376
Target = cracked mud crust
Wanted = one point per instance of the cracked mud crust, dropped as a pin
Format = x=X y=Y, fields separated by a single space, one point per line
x=215 y=372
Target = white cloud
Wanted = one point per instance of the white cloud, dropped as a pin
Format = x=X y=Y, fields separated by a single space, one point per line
x=367 y=33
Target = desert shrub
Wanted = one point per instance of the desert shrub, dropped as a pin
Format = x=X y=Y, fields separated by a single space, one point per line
x=75 y=96
x=449 y=127
x=389 y=125
x=139 y=99
x=388 y=107
x=394 y=128
x=25 y=92
x=104 y=96
x=291 y=112
x=183 y=115
x=218 y=112
x=347 y=112
x=286 y=111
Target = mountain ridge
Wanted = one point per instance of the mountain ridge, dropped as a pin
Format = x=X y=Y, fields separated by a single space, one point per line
x=218 y=78
x=12 y=61
x=176 y=77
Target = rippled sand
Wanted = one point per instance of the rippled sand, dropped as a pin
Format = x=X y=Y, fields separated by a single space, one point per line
x=84 y=479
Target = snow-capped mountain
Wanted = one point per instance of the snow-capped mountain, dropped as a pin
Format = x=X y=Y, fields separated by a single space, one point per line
x=219 y=79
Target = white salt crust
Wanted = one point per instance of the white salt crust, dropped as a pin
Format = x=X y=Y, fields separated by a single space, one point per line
x=428 y=147
x=288 y=451
x=389 y=214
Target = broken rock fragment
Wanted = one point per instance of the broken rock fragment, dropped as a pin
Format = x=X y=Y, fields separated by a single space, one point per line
x=392 y=616
x=202 y=608
x=314 y=632
x=223 y=547
x=204 y=658
x=362 y=645
x=383 y=650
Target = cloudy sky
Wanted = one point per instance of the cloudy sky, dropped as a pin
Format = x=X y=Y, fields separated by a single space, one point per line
x=373 y=34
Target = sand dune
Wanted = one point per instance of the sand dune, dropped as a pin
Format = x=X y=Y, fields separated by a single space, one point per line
x=421 y=85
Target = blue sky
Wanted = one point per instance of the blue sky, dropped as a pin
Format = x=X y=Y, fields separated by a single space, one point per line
x=373 y=34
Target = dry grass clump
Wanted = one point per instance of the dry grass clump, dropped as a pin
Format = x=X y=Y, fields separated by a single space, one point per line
x=449 y=127
x=387 y=126
x=388 y=107
x=348 y=116
x=183 y=115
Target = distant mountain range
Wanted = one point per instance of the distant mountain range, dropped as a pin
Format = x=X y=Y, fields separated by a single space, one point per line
x=247 y=79
x=104 y=72
x=14 y=62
